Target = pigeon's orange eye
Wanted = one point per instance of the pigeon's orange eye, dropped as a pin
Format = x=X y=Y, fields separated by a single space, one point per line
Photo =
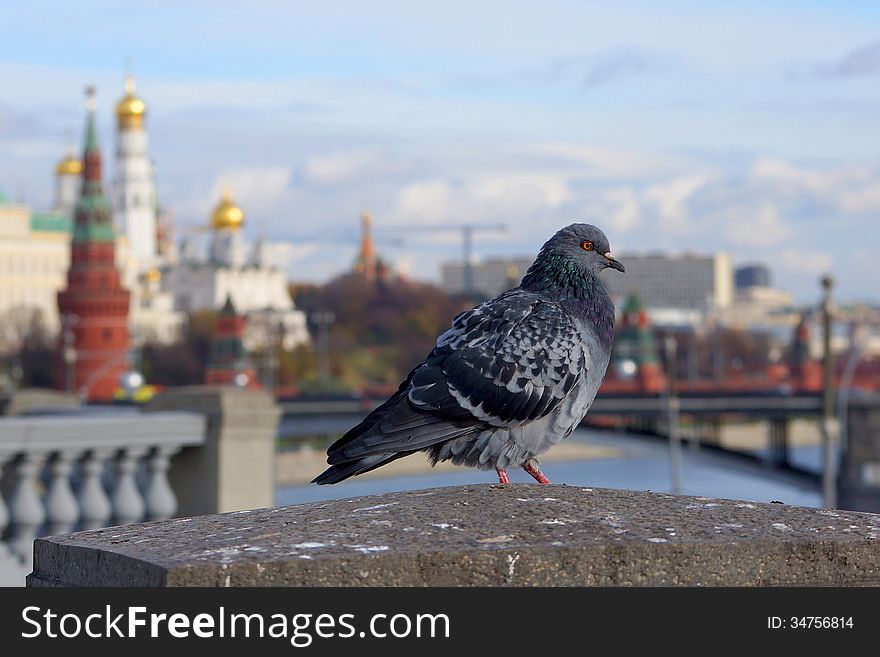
x=587 y=245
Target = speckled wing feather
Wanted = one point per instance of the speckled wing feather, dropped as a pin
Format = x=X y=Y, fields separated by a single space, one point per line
x=506 y=362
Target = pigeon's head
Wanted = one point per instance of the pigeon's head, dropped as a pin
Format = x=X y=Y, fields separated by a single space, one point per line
x=583 y=245
x=570 y=260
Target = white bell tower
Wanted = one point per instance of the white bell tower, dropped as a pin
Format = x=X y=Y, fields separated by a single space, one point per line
x=135 y=208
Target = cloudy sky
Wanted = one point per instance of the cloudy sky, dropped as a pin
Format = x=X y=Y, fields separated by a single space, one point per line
x=749 y=127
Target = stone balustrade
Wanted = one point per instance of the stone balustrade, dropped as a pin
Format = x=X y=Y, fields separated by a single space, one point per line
x=87 y=470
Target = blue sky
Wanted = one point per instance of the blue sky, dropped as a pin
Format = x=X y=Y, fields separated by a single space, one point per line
x=749 y=127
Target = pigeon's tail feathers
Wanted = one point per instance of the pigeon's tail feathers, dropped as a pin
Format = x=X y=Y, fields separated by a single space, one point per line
x=336 y=473
x=404 y=431
x=394 y=430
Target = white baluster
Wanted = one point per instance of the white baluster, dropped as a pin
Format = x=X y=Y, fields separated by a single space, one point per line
x=94 y=504
x=62 y=510
x=4 y=511
x=128 y=505
x=159 y=497
x=26 y=512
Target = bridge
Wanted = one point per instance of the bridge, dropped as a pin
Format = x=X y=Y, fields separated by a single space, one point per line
x=763 y=404
x=340 y=414
x=303 y=417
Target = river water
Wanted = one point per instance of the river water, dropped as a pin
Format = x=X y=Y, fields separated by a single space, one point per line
x=643 y=465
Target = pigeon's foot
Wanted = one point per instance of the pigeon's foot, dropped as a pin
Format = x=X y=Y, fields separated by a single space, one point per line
x=533 y=469
x=503 y=477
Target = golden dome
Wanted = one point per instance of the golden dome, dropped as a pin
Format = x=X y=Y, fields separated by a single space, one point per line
x=69 y=166
x=227 y=214
x=130 y=110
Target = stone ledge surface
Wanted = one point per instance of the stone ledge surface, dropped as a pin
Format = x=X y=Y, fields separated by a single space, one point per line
x=480 y=535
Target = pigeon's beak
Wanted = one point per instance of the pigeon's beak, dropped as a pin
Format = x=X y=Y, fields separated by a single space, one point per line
x=611 y=261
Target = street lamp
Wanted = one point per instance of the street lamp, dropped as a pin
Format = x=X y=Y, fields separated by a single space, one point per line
x=323 y=319
x=131 y=382
x=68 y=350
x=672 y=409
x=829 y=452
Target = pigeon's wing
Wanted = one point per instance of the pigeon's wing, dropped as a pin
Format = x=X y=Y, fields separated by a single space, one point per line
x=506 y=362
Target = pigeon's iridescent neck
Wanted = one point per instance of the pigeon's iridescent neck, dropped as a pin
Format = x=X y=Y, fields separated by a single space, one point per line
x=582 y=293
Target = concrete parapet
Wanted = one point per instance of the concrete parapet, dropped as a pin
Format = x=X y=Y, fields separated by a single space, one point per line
x=235 y=468
x=34 y=400
x=481 y=535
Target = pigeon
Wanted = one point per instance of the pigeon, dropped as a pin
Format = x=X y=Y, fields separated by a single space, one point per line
x=511 y=377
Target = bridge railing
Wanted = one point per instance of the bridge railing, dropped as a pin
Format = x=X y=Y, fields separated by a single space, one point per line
x=60 y=473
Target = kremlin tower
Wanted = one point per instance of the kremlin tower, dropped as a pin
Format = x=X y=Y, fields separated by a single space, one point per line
x=134 y=187
x=635 y=352
x=366 y=262
x=94 y=304
x=227 y=361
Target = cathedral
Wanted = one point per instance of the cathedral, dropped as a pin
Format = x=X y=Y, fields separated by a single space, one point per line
x=246 y=275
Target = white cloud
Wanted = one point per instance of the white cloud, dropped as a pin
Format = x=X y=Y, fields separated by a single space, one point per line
x=588 y=161
x=670 y=201
x=848 y=189
x=346 y=166
x=289 y=256
x=812 y=262
x=527 y=192
x=753 y=226
x=431 y=200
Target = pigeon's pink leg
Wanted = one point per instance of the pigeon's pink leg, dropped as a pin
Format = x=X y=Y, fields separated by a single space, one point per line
x=503 y=478
x=535 y=471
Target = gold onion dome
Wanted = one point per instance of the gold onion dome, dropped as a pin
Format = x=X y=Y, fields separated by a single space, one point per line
x=130 y=110
x=69 y=166
x=227 y=214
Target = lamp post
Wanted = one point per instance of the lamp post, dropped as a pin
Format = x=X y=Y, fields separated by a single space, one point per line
x=68 y=350
x=323 y=319
x=857 y=345
x=829 y=451
x=673 y=406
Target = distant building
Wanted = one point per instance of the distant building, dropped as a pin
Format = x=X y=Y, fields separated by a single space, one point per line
x=228 y=362
x=752 y=276
x=491 y=276
x=368 y=263
x=634 y=356
x=135 y=207
x=675 y=289
x=257 y=288
x=35 y=246
x=34 y=257
x=68 y=181
x=759 y=307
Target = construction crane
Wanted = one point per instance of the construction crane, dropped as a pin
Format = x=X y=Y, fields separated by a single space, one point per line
x=467 y=242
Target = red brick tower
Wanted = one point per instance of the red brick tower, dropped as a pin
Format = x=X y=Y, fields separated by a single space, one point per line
x=227 y=361
x=94 y=304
